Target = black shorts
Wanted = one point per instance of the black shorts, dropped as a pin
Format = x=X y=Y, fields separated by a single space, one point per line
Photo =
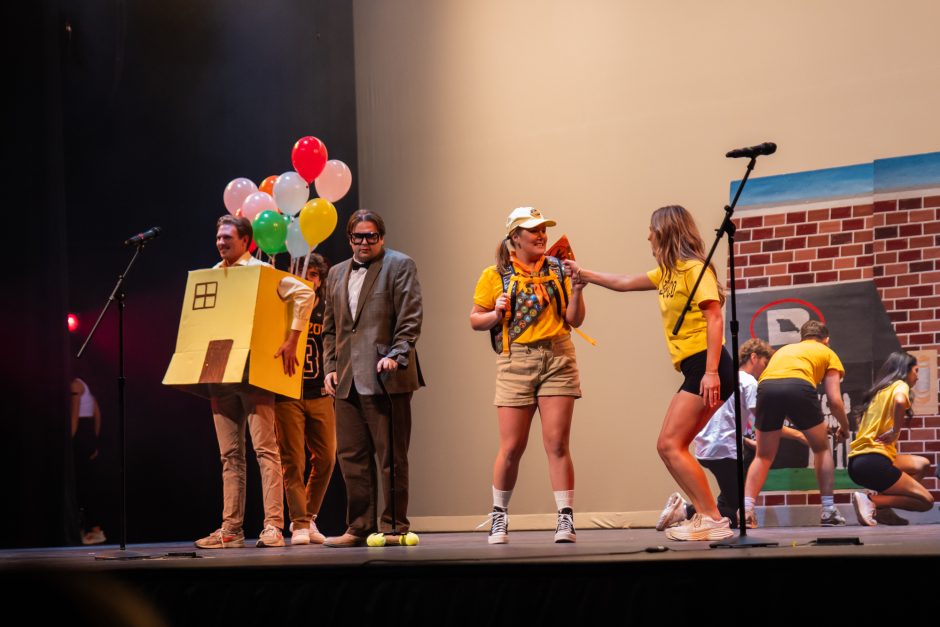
x=873 y=471
x=694 y=369
x=793 y=399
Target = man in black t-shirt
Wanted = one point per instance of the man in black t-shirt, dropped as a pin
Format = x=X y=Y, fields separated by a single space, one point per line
x=308 y=421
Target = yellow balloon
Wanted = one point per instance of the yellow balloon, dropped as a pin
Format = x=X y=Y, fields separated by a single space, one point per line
x=317 y=220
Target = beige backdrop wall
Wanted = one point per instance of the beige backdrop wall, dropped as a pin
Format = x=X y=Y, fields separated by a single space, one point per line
x=597 y=113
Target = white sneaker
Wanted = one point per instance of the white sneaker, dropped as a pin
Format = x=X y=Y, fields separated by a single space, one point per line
x=315 y=536
x=864 y=509
x=311 y=535
x=299 y=536
x=270 y=536
x=831 y=517
x=701 y=527
x=674 y=512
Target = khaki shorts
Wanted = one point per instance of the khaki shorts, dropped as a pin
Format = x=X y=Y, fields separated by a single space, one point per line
x=547 y=368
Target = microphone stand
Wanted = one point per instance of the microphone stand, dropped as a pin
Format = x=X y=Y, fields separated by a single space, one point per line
x=118 y=294
x=727 y=226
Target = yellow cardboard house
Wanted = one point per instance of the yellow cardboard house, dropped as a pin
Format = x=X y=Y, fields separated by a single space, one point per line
x=233 y=322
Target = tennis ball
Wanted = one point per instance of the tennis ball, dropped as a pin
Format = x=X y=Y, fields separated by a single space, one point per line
x=409 y=539
x=376 y=539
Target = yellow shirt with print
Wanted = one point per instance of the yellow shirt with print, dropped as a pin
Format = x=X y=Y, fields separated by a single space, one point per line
x=674 y=290
x=808 y=360
x=546 y=326
x=878 y=419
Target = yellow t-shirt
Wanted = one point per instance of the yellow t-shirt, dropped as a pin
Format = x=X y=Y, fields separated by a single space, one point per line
x=673 y=292
x=808 y=360
x=546 y=326
x=878 y=419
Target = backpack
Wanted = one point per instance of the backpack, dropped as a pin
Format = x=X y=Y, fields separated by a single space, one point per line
x=524 y=307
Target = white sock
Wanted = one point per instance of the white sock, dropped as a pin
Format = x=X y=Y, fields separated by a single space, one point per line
x=501 y=498
x=828 y=502
x=564 y=498
x=748 y=503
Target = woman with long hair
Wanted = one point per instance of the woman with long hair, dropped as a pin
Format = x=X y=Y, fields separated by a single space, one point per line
x=696 y=351
x=529 y=305
x=874 y=461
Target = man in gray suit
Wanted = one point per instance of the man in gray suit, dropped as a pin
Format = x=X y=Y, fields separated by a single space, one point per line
x=370 y=327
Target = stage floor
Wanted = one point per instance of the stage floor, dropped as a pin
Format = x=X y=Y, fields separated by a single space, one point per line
x=607 y=545
x=631 y=576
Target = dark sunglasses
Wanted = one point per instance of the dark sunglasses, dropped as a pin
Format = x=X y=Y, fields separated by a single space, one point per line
x=371 y=238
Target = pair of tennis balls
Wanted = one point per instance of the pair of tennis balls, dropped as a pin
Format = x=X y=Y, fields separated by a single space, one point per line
x=408 y=539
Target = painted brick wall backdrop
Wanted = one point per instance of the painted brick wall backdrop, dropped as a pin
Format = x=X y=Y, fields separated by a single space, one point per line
x=890 y=237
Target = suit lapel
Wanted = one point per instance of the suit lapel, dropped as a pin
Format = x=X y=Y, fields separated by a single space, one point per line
x=367 y=284
x=342 y=289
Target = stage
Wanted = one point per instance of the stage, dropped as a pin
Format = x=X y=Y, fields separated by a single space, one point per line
x=631 y=576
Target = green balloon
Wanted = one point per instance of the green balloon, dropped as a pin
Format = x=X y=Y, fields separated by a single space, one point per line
x=271 y=232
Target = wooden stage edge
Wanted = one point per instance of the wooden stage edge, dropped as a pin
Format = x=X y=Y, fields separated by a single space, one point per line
x=631 y=575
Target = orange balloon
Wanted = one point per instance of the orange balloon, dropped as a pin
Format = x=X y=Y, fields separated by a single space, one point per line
x=267 y=185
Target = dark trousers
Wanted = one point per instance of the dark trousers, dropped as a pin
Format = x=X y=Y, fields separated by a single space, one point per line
x=726 y=474
x=87 y=473
x=362 y=436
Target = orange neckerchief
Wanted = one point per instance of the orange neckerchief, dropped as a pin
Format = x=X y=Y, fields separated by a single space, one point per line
x=532 y=274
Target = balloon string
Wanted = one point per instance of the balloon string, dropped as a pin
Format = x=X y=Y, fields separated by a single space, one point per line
x=307 y=260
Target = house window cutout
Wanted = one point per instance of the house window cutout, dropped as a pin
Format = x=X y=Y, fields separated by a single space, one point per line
x=205 y=295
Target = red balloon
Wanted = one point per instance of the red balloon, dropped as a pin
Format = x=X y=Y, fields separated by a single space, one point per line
x=309 y=157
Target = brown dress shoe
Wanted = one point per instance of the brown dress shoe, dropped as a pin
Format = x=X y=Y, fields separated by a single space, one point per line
x=345 y=541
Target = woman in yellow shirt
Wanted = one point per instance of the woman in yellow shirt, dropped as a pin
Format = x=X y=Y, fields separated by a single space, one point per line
x=696 y=351
x=874 y=461
x=529 y=305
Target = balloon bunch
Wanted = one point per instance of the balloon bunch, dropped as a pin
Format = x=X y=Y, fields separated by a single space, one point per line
x=283 y=216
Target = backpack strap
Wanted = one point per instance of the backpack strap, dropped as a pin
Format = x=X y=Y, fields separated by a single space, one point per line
x=499 y=334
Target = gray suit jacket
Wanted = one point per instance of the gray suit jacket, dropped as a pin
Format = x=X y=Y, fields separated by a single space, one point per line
x=387 y=324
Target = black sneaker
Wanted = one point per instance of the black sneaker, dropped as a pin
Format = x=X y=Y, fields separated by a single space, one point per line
x=499 y=525
x=564 y=530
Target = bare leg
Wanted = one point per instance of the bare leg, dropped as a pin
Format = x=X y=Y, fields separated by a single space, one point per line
x=767 y=444
x=684 y=419
x=914 y=465
x=556 y=412
x=818 y=438
x=514 y=423
x=907 y=493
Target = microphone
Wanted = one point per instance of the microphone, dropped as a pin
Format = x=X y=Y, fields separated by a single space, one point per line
x=143 y=238
x=767 y=148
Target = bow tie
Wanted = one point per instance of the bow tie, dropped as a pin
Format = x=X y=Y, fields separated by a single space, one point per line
x=359 y=266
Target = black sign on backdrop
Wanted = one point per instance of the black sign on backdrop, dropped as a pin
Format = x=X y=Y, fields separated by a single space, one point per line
x=860 y=331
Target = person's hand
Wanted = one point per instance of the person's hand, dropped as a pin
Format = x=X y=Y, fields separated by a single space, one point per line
x=710 y=389
x=887 y=437
x=288 y=354
x=386 y=365
x=572 y=269
x=840 y=435
x=329 y=382
x=750 y=443
x=502 y=305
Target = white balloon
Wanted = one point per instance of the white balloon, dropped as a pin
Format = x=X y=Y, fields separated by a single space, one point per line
x=291 y=192
x=297 y=246
x=236 y=192
x=334 y=181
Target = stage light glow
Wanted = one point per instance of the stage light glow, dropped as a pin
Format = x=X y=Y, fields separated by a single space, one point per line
x=73 y=323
